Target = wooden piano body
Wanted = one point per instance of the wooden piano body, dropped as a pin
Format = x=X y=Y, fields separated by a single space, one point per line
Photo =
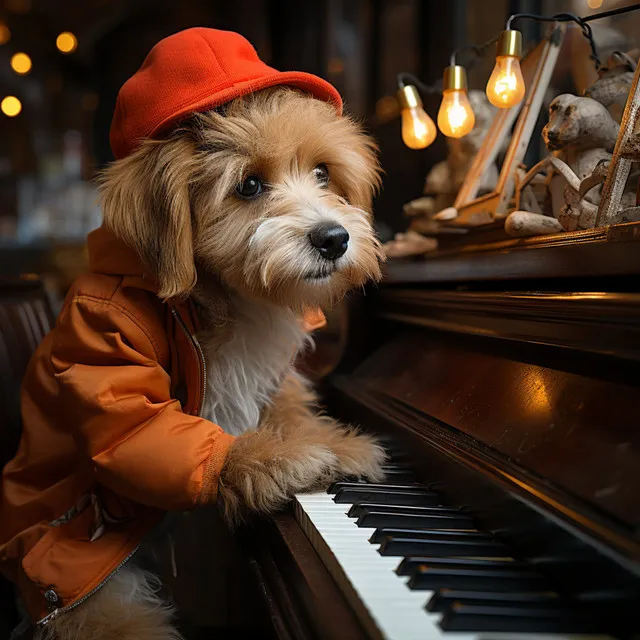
x=507 y=372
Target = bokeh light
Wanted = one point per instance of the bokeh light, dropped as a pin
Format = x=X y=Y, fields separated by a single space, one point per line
x=66 y=42
x=11 y=106
x=5 y=34
x=21 y=63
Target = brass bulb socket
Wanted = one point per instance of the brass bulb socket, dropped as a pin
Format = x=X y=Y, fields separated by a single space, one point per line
x=408 y=97
x=509 y=44
x=455 y=78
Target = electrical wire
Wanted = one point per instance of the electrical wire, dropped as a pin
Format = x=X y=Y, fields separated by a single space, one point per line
x=436 y=87
x=581 y=22
x=477 y=49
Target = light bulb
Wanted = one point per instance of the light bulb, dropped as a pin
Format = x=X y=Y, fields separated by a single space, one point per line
x=506 y=87
x=455 y=117
x=418 y=129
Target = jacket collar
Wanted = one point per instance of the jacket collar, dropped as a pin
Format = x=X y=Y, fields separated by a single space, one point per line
x=110 y=256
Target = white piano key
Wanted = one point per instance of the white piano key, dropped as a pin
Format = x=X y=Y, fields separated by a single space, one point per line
x=396 y=612
x=386 y=606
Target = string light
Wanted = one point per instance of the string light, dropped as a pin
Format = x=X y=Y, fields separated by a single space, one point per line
x=5 y=34
x=418 y=129
x=455 y=117
x=11 y=106
x=21 y=63
x=66 y=42
x=506 y=86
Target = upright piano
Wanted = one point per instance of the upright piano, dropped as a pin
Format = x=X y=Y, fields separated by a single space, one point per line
x=504 y=380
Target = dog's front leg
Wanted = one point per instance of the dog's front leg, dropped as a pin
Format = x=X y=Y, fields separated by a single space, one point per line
x=295 y=411
x=294 y=450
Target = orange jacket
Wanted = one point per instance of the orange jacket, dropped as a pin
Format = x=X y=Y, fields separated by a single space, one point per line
x=107 y=447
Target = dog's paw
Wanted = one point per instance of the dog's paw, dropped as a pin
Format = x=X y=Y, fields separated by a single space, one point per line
x=359 y=455
x=264 y=470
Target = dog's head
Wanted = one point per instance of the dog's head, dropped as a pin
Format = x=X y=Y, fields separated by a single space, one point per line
x=271 y=194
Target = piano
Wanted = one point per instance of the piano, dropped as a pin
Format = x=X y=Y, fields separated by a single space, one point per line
x=503 y=380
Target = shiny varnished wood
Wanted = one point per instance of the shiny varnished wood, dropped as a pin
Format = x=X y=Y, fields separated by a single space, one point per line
x=602 y=252
x=595 y=322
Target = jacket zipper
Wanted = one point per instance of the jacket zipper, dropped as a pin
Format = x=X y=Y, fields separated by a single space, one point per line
x=196 y=344
x=56 y=612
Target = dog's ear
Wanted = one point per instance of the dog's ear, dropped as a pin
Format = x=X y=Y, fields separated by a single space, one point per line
x=145 y=202
x=353 y=163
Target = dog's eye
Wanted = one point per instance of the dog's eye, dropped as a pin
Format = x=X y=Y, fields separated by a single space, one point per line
x=321 y=174
x=250 y=188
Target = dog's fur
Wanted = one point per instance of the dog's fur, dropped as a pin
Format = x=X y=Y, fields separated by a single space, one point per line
x=251 y=267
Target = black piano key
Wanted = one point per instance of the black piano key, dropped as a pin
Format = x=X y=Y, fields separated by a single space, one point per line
x=379 y=520
x=350 y=484
x=471 y=617
x=443 y=599
x=408 y=565
x=361 y=508
x=399 y=475
x=449 y=548
x=417 y=498
x=429 y=534
x=429 y=578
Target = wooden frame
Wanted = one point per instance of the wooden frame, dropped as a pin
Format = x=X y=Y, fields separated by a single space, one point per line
x=620 y=167
x=537 y=69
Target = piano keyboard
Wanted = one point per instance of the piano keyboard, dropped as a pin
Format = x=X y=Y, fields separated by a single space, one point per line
x=412 y=568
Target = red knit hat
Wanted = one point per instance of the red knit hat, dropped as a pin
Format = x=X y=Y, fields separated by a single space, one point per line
x=196 y=70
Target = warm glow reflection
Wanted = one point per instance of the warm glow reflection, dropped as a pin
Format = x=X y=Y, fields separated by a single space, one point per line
x=538 y=393
x=594 y=4
x=67 y=42
x=21 y=63
x=11 y=106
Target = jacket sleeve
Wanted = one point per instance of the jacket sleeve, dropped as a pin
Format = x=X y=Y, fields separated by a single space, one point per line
x=115 y=399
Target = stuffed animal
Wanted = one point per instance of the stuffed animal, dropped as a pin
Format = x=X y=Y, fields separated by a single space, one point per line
x=581 y=135
x=612 y=87
x=237 y=205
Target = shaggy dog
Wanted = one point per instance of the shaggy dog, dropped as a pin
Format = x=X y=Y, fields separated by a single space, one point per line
x=258 y=209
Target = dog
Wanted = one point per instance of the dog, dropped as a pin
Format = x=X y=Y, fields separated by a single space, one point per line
x=256 y=210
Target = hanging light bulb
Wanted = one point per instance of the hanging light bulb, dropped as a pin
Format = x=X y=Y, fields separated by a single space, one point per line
x=418 y=129
x=455 y=118
x=506 y=87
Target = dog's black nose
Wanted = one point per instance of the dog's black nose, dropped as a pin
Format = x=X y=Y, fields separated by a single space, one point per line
x=330 y=239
